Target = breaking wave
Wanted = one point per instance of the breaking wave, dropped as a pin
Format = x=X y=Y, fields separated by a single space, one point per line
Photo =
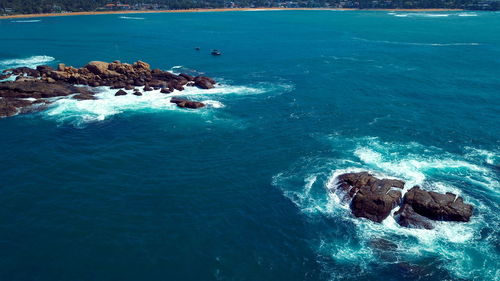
x=107 y=104
x=26 y=21
x=460 y=250
x=131 y=18
x=32 y=62
x=419 y=44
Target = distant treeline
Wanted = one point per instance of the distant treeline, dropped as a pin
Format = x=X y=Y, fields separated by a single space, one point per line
x=51 y=6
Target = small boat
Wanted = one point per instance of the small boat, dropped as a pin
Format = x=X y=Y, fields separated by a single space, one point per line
x=216 y=53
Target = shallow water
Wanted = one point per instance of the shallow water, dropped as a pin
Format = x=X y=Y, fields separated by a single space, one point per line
x=133 y=188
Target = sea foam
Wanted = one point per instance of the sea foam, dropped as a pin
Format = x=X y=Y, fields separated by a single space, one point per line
x=32 y=62
x=311 y=185
x=107 y=104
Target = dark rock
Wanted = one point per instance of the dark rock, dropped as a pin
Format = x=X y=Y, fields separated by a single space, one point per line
x=129 y=87
x=165 y=91
x=204 y=82
x=44 y=69
x=372 y=198
x=438 y=206
x=187 y=103
x=5 y=76
x=121 y=93
x=147 y=88
x=407 y=217
x=7 y=108
x=188 y=77
x=137 y=93
x=26 y=70
x=38 y=89
x=84 y=97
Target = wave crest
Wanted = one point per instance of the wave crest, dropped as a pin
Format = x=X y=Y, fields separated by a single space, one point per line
x=32 y=62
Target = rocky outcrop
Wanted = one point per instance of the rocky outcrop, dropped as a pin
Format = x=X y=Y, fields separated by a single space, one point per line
x=374 y=199
x=45 y=82
x=438 y=206
x=187 y=103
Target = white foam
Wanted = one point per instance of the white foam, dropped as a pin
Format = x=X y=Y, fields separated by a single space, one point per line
x=420 y=44
x=26 y=21
x=107 y=104
x=454 y=243
x=467 y=15
x=32 y=62
x=131 y=18
x=213 y=103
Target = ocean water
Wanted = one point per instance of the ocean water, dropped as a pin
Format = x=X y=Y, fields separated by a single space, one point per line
x=132 y=188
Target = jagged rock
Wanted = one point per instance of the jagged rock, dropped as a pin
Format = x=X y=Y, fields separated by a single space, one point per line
x=129 y=87
x=61 y=67
x=137 y=93
x=372 y=198
x=438 y=206
x=186 y=103
x=120 y=93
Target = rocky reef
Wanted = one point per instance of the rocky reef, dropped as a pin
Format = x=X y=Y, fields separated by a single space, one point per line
x=33 y=89
x=375 y=198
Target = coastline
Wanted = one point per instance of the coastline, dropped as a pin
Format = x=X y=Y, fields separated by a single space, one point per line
x=215 y=10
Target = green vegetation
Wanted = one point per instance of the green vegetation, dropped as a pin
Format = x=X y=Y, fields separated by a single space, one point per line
x=58 y=6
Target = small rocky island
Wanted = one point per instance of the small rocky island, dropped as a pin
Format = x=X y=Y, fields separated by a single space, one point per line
x=374 y=199
x=34 y=89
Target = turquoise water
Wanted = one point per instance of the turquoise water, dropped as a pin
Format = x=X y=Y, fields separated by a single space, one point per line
x=132 y=188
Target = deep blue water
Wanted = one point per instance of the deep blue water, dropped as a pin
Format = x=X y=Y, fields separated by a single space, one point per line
x=131 y=188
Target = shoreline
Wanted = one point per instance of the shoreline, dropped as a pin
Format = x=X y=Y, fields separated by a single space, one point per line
x=215 y=10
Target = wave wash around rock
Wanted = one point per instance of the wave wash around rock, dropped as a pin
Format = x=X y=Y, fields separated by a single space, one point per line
x=34 y=89
x=374 y=199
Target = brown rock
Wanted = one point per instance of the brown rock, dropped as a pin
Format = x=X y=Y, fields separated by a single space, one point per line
x=187 y=103
x=204 y=82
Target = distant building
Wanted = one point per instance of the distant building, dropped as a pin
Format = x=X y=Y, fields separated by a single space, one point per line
x=117 y=6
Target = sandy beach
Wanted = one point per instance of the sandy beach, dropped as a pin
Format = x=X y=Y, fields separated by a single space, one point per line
x=212 y=10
